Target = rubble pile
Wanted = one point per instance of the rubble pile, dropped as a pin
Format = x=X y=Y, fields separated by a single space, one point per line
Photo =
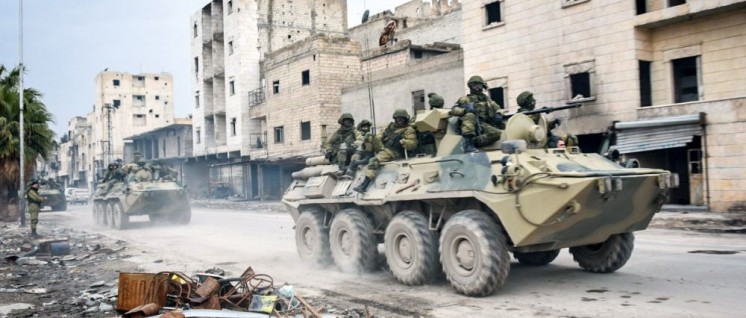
x=67 y=273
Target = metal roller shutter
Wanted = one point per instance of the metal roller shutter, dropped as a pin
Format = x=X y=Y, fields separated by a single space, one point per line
x=659 y=133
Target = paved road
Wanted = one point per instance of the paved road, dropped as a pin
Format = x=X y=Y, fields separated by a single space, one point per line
x=662 y=279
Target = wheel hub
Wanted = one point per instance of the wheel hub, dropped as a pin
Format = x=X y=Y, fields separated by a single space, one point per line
x=465 y=254
x=404 y=249
x=345 y=240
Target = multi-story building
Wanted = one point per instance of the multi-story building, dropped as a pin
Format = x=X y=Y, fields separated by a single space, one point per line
x=666 y=75
x=230 y=39
x=74 y=153
x=125 y=105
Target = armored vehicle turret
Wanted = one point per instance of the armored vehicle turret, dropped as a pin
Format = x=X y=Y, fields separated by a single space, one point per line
x=465 y=213
x=55 y=197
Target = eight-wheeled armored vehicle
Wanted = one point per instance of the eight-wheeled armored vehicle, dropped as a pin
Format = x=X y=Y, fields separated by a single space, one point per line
x=465 y=213
x=145 y=194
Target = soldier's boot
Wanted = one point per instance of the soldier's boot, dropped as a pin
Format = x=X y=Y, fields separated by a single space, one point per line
x=469 y=144
x=34 y=234
x=363 y=185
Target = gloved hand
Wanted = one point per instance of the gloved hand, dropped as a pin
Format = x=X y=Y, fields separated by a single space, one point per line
x=402 y=142
x=470 y=108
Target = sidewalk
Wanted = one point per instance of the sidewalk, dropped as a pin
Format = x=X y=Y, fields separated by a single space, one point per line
x=672 y=217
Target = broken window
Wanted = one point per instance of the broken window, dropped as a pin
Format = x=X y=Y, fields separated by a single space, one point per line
x=673 y=3
x=198 y=135
x=232 y=88
x=139 y=120
x=196 y=66
x=115 y=82
x=230 y=48
x=138 y=100
x=645 y=84
x=194 y=30
x=196 y=99
x=305 y=130
x=279 y=135
x=233 y=126
x=497 y=94
x=139 y=81
x=493 y=12
x=580 y=85
x=157 y=97
x=418 y=100
x=306 y=77
x=117 y=103
x=276 y=87
x=230 y=6
x=685 y=79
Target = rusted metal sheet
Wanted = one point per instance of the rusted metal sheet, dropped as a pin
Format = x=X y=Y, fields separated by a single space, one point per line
x=136 y=289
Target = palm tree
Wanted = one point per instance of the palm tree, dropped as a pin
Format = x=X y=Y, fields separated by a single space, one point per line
x=38 y=137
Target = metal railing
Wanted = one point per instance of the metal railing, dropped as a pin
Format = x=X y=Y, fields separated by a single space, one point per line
x=258 y=140
x=256 y=96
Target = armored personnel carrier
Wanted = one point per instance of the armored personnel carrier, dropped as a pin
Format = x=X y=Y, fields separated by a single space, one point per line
x=161 y=199
x=465 y=213
x=55 y=197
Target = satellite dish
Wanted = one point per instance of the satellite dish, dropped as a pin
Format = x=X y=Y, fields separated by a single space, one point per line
x=366 y=15
x=388 y=33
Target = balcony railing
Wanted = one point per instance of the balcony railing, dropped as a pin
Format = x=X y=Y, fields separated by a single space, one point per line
x=256 y=96
x=258 y=140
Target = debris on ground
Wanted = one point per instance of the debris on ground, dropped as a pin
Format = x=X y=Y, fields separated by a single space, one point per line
x=175 y=294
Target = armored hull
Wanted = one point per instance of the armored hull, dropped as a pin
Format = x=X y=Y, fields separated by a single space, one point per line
x=54 y=198
x=463 y=213
x=159 y=200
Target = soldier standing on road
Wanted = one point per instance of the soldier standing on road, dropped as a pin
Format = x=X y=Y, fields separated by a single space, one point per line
x=34 y=206
x=480 y=116
x=339 y=148
x=397 y=138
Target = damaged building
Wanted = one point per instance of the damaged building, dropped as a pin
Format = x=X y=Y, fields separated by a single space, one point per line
x=663 y=78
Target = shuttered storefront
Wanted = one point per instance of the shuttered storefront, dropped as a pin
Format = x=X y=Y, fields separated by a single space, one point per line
x=658 y=133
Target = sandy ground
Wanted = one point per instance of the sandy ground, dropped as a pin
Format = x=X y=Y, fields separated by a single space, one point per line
x=663 y=278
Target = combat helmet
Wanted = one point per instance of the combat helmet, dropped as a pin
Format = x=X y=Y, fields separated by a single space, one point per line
x=345 y=116
x=401 y=113
x=364 y=122
x=435 y=100
x=476 y=79
x=524 y=98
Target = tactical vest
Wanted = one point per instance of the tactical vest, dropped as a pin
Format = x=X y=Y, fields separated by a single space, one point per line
x=482 y=106
x=391 y=137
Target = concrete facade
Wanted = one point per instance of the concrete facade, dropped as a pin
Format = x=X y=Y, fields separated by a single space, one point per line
x=74 y=154
x=633 y=60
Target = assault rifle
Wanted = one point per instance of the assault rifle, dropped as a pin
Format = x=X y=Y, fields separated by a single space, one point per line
x=544 y=110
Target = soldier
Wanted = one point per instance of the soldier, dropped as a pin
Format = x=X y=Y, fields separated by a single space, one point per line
x=34 y=206
x=136 y=170
x=526 y=102
x=364 y=127
x=480 y=116
x=435 y=100
x=397 y=138
x=340 y=147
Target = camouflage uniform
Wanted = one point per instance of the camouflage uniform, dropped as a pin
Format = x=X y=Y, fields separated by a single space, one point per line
x=340 y=147
x=526 y=102
x=478 y=106
x=34 y=206
x=364 y=127
x=426 y=140
x=397 y=138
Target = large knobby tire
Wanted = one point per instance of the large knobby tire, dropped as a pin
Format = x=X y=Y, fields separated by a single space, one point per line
x=312 y=238
x=353 y=244
x=117 y=219
x=605 y=257
x=536 y=258
x=411 y=248
x=103 y=213
x=474 y=253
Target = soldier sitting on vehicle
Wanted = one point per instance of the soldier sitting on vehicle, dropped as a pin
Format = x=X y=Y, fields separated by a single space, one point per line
x=339 y=148
x=480 y=116
x=427 y=140
x=364 y=127
x=136 y=171
x=526 y=102
x=397 y=138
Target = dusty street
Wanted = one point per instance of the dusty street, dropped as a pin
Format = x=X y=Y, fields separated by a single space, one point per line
x=662 y=279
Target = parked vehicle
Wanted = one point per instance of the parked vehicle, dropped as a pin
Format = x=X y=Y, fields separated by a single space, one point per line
x=79 y=196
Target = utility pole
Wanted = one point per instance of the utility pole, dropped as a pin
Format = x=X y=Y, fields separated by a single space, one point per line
x=21 y=199
x=107 y=151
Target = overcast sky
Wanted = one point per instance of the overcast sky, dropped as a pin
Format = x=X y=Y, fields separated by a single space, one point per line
x=66 y=43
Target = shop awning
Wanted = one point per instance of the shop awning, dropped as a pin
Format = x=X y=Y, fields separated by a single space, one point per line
x=658 y=133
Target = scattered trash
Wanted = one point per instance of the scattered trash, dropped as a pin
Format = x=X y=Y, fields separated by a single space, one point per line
x=35 y=291
x=98 y=284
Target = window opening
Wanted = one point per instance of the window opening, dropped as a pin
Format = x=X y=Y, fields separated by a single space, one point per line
x=686 y=79
x=493 y=12
x=306 y=77
x=305 y=130
x=645 y=84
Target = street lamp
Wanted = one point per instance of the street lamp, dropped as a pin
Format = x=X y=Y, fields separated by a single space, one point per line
x=21 y=200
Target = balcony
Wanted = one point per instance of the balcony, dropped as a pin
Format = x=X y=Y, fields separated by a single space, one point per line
x=218 y=71
x=258 y=140
x=684 y=12
x=256 y=96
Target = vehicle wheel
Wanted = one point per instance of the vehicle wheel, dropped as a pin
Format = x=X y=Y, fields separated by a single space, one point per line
x=312 y=238
x=536 y=258
x=117 y=219
x=183 y=217
x=103 y=213
x=353 y=244
x=61 y=207
x=411 y=248
x=605 y=257
x=474 y=253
